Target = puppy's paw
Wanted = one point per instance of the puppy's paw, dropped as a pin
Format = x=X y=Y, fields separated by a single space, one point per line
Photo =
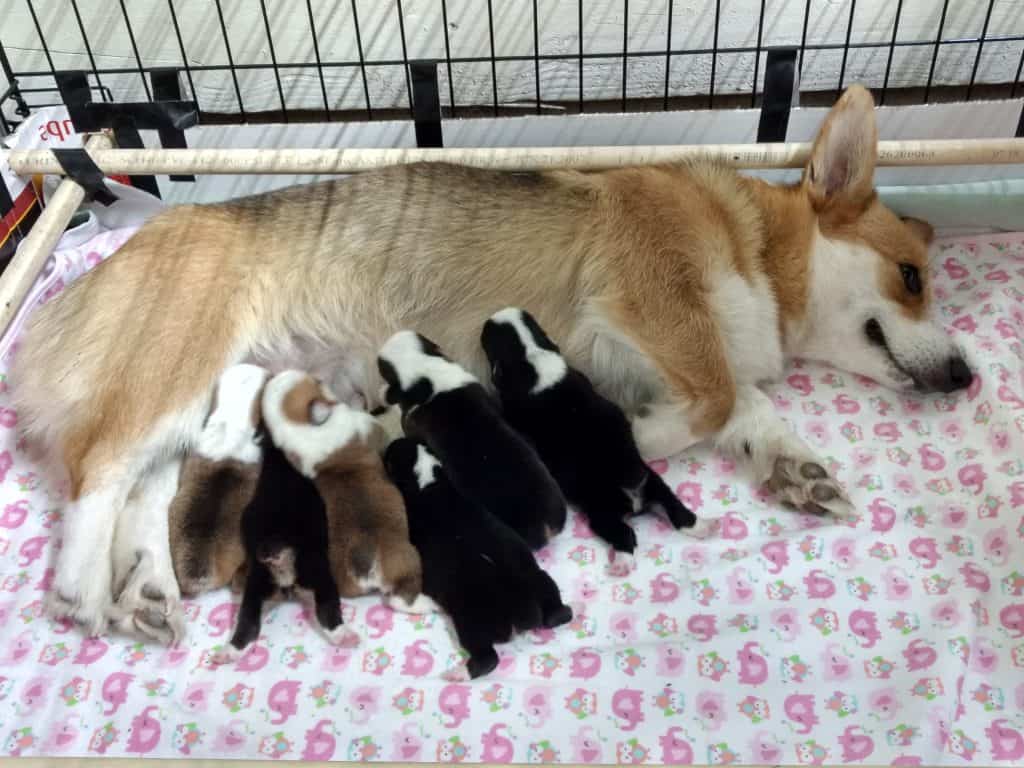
x=704 y=528
x=457 y=674
x=228 y=654
x=420 y=605
x=806 y=485
x=620 y=564
x=343 y=637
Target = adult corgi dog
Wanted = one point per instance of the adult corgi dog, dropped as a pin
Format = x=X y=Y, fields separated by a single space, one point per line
x=675 y=288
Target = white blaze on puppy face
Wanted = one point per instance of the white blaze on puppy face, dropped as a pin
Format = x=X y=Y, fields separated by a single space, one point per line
x=548 y=364
x=404 y=351
x=230 y=429
x=425 y=467
x=306 y=443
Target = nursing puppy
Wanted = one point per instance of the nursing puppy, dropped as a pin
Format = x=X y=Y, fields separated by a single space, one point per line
x=445 y=407
x=476 y=567
x=584 y=439
x=285 y=534
x=218 y=480
x=338 y=449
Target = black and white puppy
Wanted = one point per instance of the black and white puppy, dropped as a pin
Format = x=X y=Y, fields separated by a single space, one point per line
x=444 y=406
x=284 y=532
x=474 y=566
x=584 y=439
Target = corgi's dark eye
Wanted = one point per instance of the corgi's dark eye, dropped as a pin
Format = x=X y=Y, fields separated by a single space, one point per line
x=911 y=278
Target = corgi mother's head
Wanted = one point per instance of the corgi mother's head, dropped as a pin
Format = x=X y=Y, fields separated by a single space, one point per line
x=868 y=291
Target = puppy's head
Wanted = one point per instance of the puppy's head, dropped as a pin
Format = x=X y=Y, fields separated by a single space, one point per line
x=523 y=359
x=410 y=465
x=414 y=370
x=868 y=284
x=306 y=421
x=230 y=431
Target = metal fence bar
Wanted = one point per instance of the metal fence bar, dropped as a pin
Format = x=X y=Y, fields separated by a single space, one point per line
x=625 y=49
x=757 y=56
x=803 y=37
x=981 y=46
x=1016 y=79
x=935 y=53
x=135 y=50
x=534 y=57
x=668 y=55
x=362 y=61
x=548 y=56
x=579 y=8
x=316 y=55
x=88 y=49
x=405 y=56
x=536 y=54
x=231 y=61
x=448 y=50
x=184 y=57
x=494 y=69
x=714 y=55
x=42 y=41
x=892 y=50
x=273 y=60
x=846 y=48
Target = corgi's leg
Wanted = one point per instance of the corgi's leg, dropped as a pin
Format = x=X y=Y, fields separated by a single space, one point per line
x=663 y=429
x=150 y=593
x=82 y=579
x=754 y=433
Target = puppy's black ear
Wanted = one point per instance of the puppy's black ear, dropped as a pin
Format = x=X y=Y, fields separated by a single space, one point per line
x=390 y=375
x=428 y=347
x=421 y=391
x=540 y=338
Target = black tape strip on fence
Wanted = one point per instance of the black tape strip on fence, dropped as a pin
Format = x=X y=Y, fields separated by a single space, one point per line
x=169 y=118
x=426 y=104
x=167 y=90
x=780 y=89
x=80 y=168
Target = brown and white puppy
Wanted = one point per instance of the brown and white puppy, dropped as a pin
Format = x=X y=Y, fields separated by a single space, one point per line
x=217 y=482
x=677 y=289
x=339 y=449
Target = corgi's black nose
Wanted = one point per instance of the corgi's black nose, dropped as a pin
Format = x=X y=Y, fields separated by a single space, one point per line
x=960 y=375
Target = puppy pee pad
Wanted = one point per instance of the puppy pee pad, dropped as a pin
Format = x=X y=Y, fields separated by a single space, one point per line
x=778 y=639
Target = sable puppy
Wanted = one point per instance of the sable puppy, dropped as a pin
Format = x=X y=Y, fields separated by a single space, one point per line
x=338 y=449
x=216 y=483
x=285 y=533
x=584 y=439
x=477 y=568
x=445 y=407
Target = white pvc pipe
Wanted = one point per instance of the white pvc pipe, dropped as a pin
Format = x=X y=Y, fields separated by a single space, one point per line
x=35 y=249
x=328 y=161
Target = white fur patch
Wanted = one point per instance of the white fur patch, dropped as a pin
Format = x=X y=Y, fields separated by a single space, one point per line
x=405 y=354
x=420 y=606
x=373 y=581
x=229 y=432
x=311 y=444
x=550 y=366
x=426 y=463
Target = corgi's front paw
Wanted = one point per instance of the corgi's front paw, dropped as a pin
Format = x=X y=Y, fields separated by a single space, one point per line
x=807 y=485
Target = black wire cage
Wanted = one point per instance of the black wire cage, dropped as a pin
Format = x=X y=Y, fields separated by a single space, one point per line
x=250 y=61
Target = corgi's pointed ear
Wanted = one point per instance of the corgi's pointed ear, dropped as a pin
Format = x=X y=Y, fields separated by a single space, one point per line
x=841 y=170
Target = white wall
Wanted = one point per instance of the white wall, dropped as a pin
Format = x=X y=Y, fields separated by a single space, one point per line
x=692 y=27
